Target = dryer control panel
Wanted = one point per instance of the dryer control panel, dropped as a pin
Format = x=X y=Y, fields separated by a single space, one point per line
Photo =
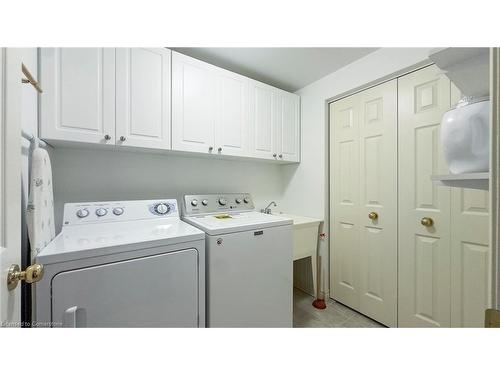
x=225 y=202
x=117 y=211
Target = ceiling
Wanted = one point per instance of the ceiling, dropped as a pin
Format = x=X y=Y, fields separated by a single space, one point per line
x=286 y=68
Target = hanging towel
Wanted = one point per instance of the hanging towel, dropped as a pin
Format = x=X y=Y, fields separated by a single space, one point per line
x=40 y=212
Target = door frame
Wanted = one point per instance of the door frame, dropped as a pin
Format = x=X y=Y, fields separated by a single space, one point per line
x=10 y=181
x=495 y=174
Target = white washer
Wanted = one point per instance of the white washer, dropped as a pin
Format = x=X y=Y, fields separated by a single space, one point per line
x=123 y=264
x=249 y=261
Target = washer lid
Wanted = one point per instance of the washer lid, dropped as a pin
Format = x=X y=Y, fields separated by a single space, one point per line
x=222 y=223
x=83 y=241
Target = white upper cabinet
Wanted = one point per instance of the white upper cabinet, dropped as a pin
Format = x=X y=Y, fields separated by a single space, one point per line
x=143 y=97
x=193 y=104
x=209 y=108
x=154 y=98
x=274 y=123
x=288 y=128
x=231 y=118
x=78 y=102
x=263 y=120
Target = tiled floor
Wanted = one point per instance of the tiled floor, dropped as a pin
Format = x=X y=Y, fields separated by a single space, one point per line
x=335 y=315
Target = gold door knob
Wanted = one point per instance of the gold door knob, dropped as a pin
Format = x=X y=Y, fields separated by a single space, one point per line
x=373 y=216
x=32 y=274
x=427 y=222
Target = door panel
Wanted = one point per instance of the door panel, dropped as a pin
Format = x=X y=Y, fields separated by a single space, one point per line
x=78 y=102
x=378 y=194
x=424 y=252
x=470 y=252
x=143 y=97
x=193 y=104
x=262 y=120
x=344 y=200
x=120 y=294
x=231 y=127
x=288 y=129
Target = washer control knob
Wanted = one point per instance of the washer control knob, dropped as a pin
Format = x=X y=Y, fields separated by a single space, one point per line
x=82 y=213
x=238 y=200
x=246 y=200
x=204 y=202
x=118 y=211
x=101 y=212
x=194 y=202
x=162 y=208
x=222 y=201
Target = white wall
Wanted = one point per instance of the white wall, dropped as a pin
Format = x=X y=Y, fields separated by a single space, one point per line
x=82 y=175
x=306 y=185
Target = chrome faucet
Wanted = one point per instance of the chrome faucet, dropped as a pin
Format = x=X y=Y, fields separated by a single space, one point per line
x=267 y=210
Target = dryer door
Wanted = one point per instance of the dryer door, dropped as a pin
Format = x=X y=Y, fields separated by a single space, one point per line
x=154 y=291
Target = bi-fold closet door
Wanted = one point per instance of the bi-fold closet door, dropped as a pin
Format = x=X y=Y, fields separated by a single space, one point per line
x=363 y=169
x=444 y=268
x=384 y=146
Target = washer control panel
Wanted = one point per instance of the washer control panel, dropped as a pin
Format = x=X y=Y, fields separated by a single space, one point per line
x=97 y=212
x=226 y=202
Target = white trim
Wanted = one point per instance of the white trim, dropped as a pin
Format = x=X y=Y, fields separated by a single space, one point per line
x=10 y=180
x=495 y=174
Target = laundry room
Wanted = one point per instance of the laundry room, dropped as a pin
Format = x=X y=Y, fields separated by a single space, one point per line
x=251 y=144
x=320 y=188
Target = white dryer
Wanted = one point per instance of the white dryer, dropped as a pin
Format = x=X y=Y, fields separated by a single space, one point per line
x=249 y=261
x=123 y=264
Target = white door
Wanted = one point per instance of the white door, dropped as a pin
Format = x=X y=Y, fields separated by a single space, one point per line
x=10 y=181
x=344 y=201
x=262 y=121
x=378 y=255
x=470 y=252
x=78 y=102
x=424 y=251
x=231 y=123
x=193 y=104
x=143 y=97
x=363 y=130
x=287 y=126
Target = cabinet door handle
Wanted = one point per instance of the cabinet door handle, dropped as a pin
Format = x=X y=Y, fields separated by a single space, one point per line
x=373 y=216
x=123 y=139
x=281 y=156
x=274 y=155
x=219 y=149
x=107 y=137
x=210 y=148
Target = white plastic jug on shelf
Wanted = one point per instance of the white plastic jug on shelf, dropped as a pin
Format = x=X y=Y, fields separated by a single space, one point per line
x=465 y=136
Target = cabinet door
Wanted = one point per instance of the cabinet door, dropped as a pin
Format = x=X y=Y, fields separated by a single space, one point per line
x=470 y=252
x=231 y=123
x=193 y=104
x=378 y=255
x=344 y=201
x=143 y=97
x=121 y=294
x=262 y=121
x=424 y=251
x=78 y=102
x=287 y=126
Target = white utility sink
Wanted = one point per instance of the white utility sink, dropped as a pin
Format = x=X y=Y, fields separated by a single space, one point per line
x=305 y=239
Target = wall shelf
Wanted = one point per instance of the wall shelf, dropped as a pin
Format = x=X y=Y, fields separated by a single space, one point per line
x=478 y=181
x=467 y=68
